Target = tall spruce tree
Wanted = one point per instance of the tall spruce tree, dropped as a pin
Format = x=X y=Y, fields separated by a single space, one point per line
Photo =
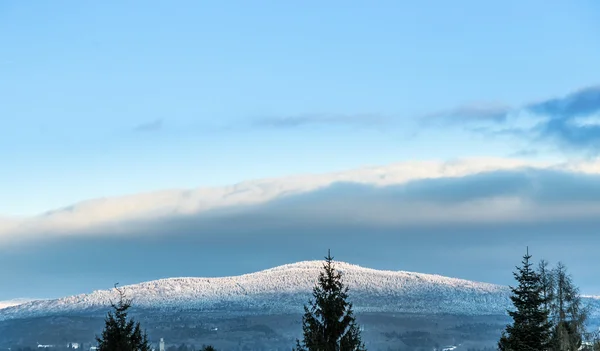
x=531 y=329
x=329 y=323
x=568 y=314
x=547 y=282
x=121 y=333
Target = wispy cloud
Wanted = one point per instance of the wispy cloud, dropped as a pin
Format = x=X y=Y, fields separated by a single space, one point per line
x=525 y=153
x=321 y=119
x=582 y=103
x=150 y=126
x=467 y=114
x=571 y=121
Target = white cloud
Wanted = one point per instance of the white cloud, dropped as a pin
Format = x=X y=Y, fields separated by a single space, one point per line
x=374 y=208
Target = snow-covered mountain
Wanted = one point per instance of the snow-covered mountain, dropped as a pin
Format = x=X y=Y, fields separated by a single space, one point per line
x=14 y=302
x=285 y=289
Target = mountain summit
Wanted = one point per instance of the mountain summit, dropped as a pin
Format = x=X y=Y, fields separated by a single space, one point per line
x=285 y=289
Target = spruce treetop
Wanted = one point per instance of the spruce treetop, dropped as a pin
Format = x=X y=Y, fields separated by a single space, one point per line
x=530 y=330
x=121 y=333
x=328 y=323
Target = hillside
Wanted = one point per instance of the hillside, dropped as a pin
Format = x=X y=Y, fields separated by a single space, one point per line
x=262 y=309
x=285 y=289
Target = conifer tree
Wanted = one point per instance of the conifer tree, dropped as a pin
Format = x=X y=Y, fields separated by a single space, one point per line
x=567 y=312
x=329 y=323
x=530 y=330
x=547 y=282
x=121 y=333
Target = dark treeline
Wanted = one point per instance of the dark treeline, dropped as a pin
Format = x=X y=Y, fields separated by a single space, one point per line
x=548 y=313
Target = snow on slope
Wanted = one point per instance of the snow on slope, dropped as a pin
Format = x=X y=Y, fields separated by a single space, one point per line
x=14 y=302
x=286 y=289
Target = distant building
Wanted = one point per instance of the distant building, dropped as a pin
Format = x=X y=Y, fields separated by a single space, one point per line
x=161 y=345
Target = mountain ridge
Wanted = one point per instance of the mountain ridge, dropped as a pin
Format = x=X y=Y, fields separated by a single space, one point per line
x=285 y=289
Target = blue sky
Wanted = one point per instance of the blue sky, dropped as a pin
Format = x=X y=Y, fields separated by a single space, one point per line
x=79 y=79
x=110 y=98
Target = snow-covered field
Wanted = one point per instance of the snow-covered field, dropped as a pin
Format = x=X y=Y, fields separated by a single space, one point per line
x=286 y=288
